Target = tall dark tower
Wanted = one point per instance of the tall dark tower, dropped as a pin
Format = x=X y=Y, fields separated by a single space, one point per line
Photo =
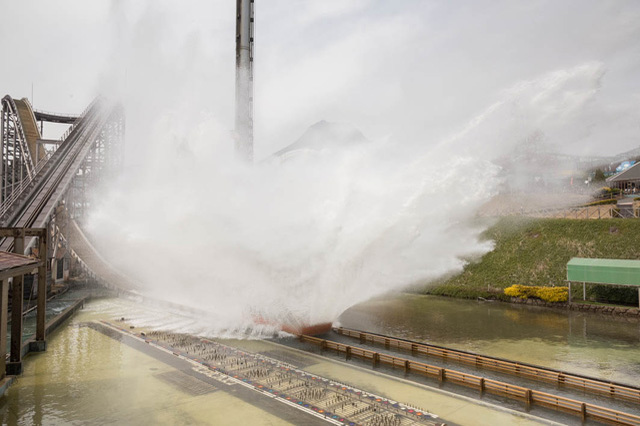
x=244 y=80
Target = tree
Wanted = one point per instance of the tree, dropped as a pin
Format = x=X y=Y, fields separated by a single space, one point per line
x=599 y=176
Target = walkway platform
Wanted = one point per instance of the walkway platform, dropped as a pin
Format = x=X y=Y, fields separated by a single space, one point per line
x=309 y=394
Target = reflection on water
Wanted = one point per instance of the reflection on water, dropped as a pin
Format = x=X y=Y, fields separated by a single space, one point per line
x=596 y=345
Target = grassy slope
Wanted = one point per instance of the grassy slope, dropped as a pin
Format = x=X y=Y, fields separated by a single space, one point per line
x=535 y=252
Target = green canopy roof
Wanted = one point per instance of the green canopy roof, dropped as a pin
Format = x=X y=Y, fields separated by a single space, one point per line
x=604 y=271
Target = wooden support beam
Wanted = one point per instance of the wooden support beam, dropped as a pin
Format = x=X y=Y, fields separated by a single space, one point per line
x=4 y=321
x=42 y=291
x=15 y=364
x=21 y=232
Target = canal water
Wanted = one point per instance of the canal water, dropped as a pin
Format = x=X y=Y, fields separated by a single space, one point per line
x=602 y=346
x=86 y=377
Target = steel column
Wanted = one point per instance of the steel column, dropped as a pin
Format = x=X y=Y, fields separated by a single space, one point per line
x=244 y=79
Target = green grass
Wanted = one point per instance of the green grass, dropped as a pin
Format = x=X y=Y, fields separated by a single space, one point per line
x=536 y=252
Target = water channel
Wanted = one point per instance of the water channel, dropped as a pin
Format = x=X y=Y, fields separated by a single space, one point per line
x=597 y=345
x=88 y=378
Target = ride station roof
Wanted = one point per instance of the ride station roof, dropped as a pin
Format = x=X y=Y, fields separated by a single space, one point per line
x=12 y=264
x=604 y=271
x=632 y=173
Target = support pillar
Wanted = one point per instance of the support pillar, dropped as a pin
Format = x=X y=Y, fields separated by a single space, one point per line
x=40 y=343
x=15 y=359
x=4 y=321
x=584 y=292
x=570 y=292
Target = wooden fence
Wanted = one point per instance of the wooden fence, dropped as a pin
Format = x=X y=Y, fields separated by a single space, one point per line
x=529 y=396
x=503 y=366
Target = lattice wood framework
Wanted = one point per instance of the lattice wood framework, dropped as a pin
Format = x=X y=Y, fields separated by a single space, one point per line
x=17 y=160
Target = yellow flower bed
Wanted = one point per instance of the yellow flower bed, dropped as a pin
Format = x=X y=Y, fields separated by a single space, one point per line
x=548 y=294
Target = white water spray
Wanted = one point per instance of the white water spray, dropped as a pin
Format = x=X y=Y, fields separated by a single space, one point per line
x=308 y=237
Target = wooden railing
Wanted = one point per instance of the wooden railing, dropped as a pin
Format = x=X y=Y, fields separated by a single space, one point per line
x=613 y=390
x=528 y=396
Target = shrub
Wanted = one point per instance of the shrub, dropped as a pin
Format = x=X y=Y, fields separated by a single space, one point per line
x=605 y=191
x=548 y=294
x=615 y=295
x=601 y=202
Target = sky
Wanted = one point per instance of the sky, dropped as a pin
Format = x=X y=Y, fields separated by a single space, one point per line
x=412 y=71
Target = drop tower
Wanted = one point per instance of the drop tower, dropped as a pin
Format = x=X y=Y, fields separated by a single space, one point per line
x=244 y=80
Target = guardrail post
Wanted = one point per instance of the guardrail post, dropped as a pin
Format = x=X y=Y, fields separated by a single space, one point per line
x=407 y=366
x=363 y=338
x=323 y=346
x=583 y=411
x=387 y=345
x=481 y=386
x=442 y=376
x=414 y=348
x=528 y=398
x=348 y=353
x=376 y=359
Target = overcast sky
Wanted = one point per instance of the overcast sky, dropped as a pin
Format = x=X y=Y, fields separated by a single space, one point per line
x=409 y=70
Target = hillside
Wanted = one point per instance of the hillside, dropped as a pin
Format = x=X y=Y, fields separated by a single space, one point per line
x=536 y=251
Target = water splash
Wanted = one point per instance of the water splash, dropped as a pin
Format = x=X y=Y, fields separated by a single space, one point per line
x=330 y=227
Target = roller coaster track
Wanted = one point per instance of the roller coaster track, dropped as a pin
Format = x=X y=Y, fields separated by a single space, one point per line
x=54 y=117
x=41 y=192
x=19 y=151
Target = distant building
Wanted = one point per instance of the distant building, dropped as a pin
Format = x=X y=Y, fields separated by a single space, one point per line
x=627 y=180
